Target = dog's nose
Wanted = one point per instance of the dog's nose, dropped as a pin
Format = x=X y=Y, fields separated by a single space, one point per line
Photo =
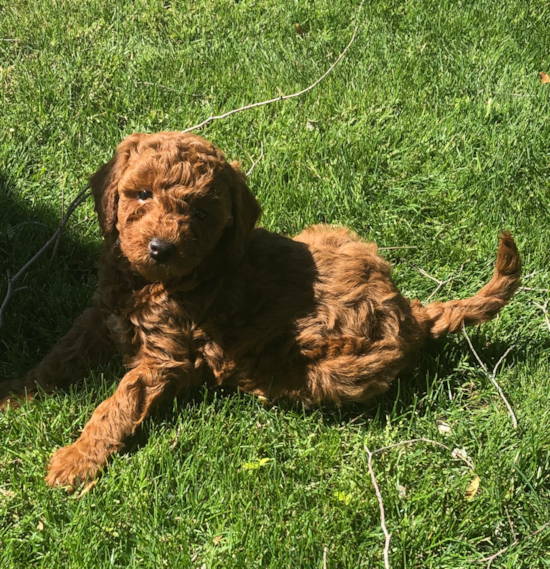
x=161 y=250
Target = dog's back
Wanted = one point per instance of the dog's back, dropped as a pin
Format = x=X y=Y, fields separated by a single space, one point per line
x=327 y=324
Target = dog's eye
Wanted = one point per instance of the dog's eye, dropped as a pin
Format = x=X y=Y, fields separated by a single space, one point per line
x=200 y=214
x=144 y=195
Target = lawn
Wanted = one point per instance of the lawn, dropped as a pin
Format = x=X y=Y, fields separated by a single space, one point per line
x=429 y=137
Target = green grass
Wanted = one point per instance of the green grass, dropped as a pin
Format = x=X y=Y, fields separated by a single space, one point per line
x=433 y=133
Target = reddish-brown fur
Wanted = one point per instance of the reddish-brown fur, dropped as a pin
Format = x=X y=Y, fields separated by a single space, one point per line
x=316 y=318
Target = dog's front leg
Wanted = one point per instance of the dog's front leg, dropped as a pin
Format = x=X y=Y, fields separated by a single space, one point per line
x=140 y=390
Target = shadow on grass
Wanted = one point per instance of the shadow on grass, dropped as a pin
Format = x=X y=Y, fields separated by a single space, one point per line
x=57 y=288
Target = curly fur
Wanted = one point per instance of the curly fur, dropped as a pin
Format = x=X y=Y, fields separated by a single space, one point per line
x=316 y=318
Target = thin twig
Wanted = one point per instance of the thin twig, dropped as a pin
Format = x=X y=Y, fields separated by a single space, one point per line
x=377 y=489
x=85 y=220
x=280 y=97
x=495 y=369
x=491 y=376
x=325 y=551
x=545 y=311
x=352 y=421
x=439 y=283
x=19 y=225
x=159 y=85
x=395 y=248
x=87 y=488
x=510 y=523
x=256 y=161
x=62 y=214
x=56 y=245
x=83 y=195
x=422 y=439
x=524 y=278
x=491 y=558
x=534 y=288
x=423 y=272
x=381 y=505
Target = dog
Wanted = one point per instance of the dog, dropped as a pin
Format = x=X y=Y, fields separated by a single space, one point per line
x=191 y=293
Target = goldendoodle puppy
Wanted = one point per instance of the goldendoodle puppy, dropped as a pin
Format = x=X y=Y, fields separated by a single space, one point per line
x=191 y=293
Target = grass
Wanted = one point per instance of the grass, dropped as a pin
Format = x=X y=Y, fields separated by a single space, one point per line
x=433 y=133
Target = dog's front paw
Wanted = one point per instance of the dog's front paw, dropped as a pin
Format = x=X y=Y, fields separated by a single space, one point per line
x=8 y=401
x=71 y=466
x=11 y=395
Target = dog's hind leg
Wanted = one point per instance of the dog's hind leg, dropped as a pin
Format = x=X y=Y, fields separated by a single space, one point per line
x=86 y=344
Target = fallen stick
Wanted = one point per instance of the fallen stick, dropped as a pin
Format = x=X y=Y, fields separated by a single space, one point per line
x=83 y=195
x=381 y=506
x=254 y=162
x=370 y=454
x=491 y=558
x=212 y=118
x=545 y=312
x=280 y=97
x=422 y=439
x=439 y=283
x=492 y=376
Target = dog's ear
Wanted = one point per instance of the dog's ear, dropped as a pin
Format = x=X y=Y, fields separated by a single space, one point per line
x=245 y=211
x=104 y=183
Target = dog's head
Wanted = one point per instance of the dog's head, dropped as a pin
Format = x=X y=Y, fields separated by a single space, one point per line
x=172 y=200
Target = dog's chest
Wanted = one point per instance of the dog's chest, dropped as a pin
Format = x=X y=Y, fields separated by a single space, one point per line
x=122 y=333
x=151 y=323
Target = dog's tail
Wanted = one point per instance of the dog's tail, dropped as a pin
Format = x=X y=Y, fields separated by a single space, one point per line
x=439 y=318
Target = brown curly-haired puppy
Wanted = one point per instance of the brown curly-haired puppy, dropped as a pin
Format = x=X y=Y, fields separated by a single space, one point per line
x=190 y=293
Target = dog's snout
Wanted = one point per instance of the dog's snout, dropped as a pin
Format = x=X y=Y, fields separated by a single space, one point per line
x=161 y=250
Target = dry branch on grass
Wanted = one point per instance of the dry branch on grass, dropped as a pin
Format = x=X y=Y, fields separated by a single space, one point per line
x=395 y=248
x=254 y=162
x=439 y=283
x=13 y=229
x=534 y=289
x=510 y=523
x=430 y=441
x=81 y=197
x=382 y=512
x=280 y=97
x=489 y=560
x=543 y=307
x=370 y=454
x=492 y=376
